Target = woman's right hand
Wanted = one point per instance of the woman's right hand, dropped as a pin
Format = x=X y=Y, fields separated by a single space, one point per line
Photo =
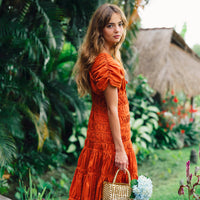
x=121 y=160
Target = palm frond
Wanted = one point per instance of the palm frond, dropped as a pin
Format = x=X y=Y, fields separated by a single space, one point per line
x=7 y=147
x=11 y=118
x=40 y=126
x=24 y=10
x=68 y=91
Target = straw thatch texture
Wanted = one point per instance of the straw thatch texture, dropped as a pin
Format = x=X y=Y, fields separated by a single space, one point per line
x=167 y=62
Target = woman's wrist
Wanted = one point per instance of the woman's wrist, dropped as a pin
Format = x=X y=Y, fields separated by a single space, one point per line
x=119 y=147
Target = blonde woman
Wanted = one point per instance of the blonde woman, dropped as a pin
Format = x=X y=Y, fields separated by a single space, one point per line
x=100 y=72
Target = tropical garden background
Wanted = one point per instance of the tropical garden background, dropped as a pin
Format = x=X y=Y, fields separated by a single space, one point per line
x=43 y=121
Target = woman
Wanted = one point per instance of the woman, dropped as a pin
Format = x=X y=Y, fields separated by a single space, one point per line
x=99 y=71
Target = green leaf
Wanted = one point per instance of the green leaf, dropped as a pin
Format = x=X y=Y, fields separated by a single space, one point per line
x=137 y=123
x=81 y=141
x=154 y=122
x=143 y=144
x=143 y=129
x=84 y=131
x=7 y=148
x=146 y=137
x=72 y=138
x=72 y=148
x=144 y=117
x=150 y=126
x=153 y=115
x=153 y=108
x=134 y=182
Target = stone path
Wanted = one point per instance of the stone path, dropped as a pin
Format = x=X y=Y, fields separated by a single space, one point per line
x=4 y=198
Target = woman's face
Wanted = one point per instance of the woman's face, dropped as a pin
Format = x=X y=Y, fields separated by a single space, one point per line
x=113 y=31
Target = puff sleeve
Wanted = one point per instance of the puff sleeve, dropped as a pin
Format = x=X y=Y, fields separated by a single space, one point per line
x=105 y=71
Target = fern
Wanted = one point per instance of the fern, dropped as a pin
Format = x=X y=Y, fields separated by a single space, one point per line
x=24 y=10
x=7 y=147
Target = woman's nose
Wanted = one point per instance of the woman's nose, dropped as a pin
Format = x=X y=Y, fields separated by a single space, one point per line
x=117 y=28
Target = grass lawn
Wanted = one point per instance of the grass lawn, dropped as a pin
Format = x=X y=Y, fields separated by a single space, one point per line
x=166 y=168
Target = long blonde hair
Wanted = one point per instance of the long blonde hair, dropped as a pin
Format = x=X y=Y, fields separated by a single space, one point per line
x=93 y=44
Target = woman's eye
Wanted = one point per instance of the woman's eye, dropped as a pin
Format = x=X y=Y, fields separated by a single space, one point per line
x=109 y=26
x=120 y=24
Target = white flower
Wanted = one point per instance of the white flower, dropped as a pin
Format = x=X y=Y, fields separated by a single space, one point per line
x=143 y=190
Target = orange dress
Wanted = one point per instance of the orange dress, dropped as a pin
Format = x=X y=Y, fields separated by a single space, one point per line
x=96 y=162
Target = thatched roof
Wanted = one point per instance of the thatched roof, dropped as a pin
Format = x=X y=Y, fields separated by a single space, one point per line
x=167 y=61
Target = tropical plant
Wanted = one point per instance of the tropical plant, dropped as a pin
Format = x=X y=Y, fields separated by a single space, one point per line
x=144 y=118
x=38 y=99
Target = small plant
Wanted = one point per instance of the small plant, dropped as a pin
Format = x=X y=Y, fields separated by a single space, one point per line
x=31 y=192
x=190 y=185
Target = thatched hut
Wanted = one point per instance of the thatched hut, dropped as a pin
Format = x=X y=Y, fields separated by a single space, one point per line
x=167 y=61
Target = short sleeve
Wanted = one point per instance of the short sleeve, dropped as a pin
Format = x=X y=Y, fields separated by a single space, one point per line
x=105 y=71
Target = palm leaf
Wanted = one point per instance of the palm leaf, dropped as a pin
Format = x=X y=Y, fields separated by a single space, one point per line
x=7 y=147
x=40 y=126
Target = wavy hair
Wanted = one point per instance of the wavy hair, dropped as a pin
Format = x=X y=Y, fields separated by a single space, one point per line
x=93 y=44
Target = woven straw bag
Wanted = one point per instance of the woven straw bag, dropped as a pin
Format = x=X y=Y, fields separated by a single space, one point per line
x=117 y=191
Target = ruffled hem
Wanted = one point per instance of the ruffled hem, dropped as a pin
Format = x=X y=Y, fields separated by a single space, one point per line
x=105 y=71
x=95 y=167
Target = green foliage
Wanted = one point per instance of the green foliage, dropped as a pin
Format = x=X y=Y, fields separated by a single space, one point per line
x=128 y=51
x=38 y=97
x=184 y=30
x=144 y=118
x=36 y=162
x=78 y=13
x=176 y=125
x=30 y=192
x=77 y=139
x=58 y=187
x=196 y=49
x=4 y=186
x=41 y=189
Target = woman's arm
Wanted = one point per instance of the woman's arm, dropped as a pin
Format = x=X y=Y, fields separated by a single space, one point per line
x=111 y=96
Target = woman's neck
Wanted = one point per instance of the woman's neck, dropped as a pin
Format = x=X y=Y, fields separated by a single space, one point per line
x=109 y=51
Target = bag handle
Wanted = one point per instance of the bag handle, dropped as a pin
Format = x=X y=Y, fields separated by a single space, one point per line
x=129 y=176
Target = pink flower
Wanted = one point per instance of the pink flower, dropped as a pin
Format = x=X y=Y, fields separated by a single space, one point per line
x=181 y=191
x=189 y=178
x=188 y=168
x=191 y=119
x=172 y=92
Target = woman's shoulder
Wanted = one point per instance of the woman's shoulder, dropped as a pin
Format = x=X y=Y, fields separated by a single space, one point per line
x=105 y=59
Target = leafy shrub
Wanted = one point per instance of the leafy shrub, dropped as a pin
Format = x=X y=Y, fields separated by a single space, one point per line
x=177 y=126
x=144 y=118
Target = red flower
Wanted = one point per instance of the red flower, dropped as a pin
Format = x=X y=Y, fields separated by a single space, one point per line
x=172 y=126
x=175 y=100
x=191 y=119
x=172 y=92
x=182 y=131
x=192 y=110
x=164 y=101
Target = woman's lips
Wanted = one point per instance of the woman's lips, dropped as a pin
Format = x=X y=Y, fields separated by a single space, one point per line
x=117 y=36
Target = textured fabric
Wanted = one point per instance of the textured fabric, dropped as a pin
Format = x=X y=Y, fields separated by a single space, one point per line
x=96 y=161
